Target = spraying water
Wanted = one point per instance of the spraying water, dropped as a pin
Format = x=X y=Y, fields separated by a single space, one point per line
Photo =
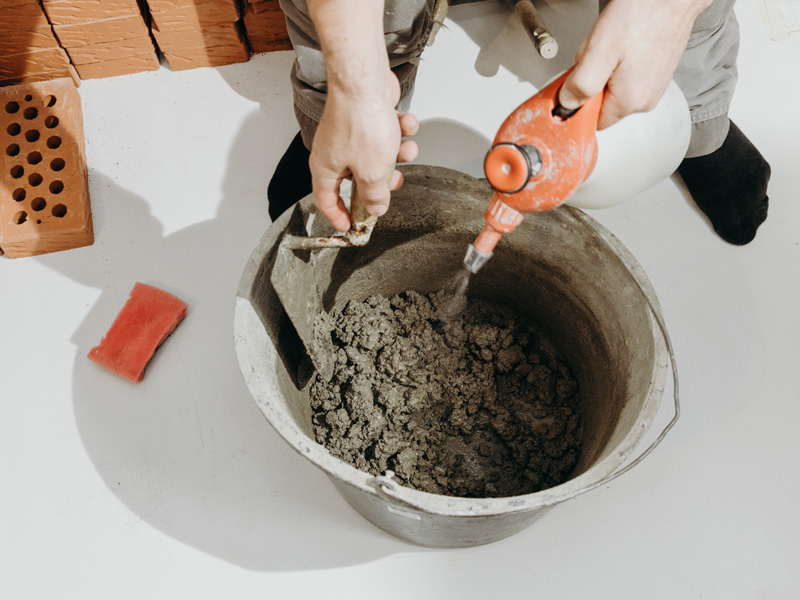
x=455 y=292
x=456 y=288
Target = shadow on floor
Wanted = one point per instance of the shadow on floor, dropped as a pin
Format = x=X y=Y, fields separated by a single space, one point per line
x=187 y=450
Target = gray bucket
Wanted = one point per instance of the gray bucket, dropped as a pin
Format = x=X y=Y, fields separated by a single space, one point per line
x=578 y=284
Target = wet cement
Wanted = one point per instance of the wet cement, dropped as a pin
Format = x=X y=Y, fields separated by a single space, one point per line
x=456 y=396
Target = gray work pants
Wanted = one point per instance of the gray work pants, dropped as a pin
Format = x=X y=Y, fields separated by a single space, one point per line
x=706 y=72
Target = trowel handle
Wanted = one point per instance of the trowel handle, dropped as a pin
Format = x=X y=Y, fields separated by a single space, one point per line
x=359 y=216
x=361 y=221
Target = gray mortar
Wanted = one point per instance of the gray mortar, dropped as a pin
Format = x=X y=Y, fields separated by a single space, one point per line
x=457 y=397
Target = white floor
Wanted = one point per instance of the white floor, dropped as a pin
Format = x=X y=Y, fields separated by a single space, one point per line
x=178 y=488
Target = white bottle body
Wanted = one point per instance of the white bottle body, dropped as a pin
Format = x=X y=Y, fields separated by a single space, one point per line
x=637 y=152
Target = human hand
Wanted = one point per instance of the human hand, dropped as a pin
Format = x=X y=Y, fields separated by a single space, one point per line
x=632 y=51
x=360 y=136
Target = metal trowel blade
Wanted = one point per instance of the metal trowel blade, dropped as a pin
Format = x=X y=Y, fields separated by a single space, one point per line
x=294 y=279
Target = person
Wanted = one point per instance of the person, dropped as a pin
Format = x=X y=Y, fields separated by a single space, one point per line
x=353 y=79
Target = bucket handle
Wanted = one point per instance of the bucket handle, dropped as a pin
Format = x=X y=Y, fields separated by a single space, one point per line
x=385 y=485
x=656 y=313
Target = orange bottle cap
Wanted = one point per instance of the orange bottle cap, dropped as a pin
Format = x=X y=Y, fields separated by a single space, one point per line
x=507 y=168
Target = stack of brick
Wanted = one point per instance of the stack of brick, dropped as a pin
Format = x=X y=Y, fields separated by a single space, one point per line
x=29 y=50
x=44 y=188
x=103 y=38
x=265 y=25
x=198 y=33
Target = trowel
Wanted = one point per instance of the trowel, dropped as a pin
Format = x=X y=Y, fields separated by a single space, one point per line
x=294 y=279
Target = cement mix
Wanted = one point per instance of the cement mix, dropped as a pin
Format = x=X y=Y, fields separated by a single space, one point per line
x=469 y=403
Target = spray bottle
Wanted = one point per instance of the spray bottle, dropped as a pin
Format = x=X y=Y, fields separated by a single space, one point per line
x=544 y=156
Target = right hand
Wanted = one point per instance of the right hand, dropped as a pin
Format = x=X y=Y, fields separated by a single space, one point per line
x=631 y=52
x=360 y=135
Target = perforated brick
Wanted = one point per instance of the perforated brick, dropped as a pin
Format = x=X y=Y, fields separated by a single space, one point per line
x=44 y=191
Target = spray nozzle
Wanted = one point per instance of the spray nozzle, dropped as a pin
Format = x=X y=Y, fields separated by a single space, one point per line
x=475 y=259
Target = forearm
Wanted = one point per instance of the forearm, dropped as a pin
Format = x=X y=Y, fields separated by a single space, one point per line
x=360 y=132
x=351 y=36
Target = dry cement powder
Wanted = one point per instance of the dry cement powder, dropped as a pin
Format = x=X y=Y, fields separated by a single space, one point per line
x=464 y=403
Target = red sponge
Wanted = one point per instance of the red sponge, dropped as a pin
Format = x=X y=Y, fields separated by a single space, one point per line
x=148 y=317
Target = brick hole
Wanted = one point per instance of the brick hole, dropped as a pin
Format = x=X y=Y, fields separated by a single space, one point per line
x=30 y=113
x=38 y=204
x=56 y=187
x=49 y=101
x=53 y=142
x=57 y=164
x=38 y=221
x=17 y=171
x=51 y=122
x=32 y=135
x=28 y=98
x=34 y=158
x=20 y=217
x=12 y=107
x=12 y=150
x=59 y=210
x=18 y=194
x=35 y=179
x=13 y=129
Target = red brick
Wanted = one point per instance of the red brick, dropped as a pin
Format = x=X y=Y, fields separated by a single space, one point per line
x=127 y=65
x=259 y=6
x=195 y=16
x=223 y=34
x=98 y=32
x=217 y=56
x=10 y=3
x=44 y=192
x=70 y=12
x=27 y=40
x=24 y=16
x=266 y=31
x=93 y=53
x=267 y=43
x=29 y=63
x=162 y=5
x=69 y=72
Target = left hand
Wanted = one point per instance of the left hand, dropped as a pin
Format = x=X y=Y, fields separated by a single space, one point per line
x=632 y=51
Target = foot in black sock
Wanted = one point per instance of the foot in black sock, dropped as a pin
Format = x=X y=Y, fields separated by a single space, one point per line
x=292 y=179
x=730 y=187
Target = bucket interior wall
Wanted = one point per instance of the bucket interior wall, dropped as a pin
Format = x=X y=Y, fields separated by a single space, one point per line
x=552 y=269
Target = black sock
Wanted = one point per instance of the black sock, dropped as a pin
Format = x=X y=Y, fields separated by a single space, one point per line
x=292 y=179
x=730 y=187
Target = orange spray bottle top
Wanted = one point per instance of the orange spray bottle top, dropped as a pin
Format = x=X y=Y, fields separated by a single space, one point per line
x=539 y=157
